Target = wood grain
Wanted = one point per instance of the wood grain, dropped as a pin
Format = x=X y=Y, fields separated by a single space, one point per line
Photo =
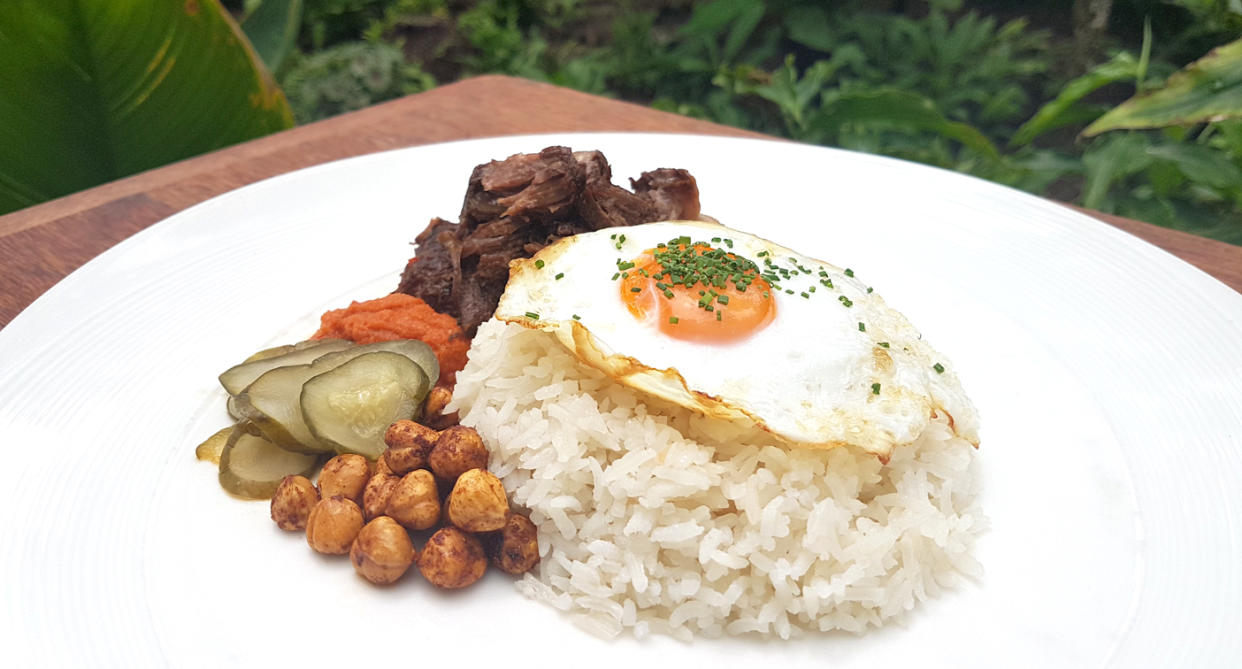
x=42 y=244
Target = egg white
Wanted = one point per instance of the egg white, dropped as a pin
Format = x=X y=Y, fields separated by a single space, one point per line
x=809 y=377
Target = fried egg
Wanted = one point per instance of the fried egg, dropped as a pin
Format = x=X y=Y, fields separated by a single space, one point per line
x=736 y=327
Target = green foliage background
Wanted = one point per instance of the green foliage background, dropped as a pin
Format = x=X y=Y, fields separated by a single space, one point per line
x=94 y=90
x=1001 y=89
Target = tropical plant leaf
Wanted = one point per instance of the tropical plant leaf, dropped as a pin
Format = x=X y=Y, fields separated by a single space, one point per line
x=1112 y=159
x=1209 y=89
x=272 y=27
x=1061 y=111
x=1200 y=164
x=901 y=109
x=94 y=90
x=734 y=20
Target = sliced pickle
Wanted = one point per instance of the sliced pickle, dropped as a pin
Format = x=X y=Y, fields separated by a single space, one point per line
x=413 y=349
x=236 y=378
x=234 y=410
x=251 y=467
x=269 y=353
x=210 y=449
x=307 y=343
x=272 y=404
x=352 y=406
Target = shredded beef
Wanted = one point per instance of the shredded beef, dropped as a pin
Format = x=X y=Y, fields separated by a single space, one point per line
x=673 y=192
x=516 y=206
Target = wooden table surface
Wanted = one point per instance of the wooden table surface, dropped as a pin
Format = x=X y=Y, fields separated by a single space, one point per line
x=42 y=244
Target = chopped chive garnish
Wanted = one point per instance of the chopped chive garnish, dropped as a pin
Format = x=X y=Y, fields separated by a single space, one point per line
x=883 y=344
x=532 y=315
x=875 y=389
x=538 y=263
x=939 y=368
x=806 y=296
x=559 y=276
x=668 y=294
x=614 y=276
x=716 y=240
x=672 y=320
x=869 y=289
x=723 y=299
x=849 y=272
x=636 y=289
x=718 y=314
x=846 y=301
x=862 y=327
x=577 y=317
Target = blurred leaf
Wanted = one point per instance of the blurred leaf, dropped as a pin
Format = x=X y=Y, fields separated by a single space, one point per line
x=1200 y=164
x=1060 y=111
x=901 y=109
x=94 y=90
x=1109 y=160
x=1209 y=89
x=811 y=27
x=733 y=20
x=272 y=27
x=793 y=94
x=349 y=76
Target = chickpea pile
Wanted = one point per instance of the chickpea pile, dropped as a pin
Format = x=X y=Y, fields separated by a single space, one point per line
x=368 y=511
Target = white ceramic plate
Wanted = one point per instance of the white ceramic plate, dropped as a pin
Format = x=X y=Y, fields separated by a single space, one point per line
x=1107 y=372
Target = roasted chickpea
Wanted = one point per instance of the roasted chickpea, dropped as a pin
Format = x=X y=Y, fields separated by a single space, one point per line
x=452 y=559
x=478 y=502
x=333 y=524
x=293 y=501
x=345 y=475
x=382 y=552
x=516 y=545
x=414 y=501
x=433 y=408
x=381 y=467
x=409 y=444
x=375 y=495
x=457 y=450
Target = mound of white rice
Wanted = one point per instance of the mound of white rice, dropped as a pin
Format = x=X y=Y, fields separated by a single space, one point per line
x=653 y=518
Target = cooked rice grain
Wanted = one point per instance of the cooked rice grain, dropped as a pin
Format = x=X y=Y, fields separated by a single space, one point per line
x=660 y=520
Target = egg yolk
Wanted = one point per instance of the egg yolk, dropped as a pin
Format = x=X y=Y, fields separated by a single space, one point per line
x=696 y=292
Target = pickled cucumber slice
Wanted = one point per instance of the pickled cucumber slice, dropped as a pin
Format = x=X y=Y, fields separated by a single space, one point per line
x=236 y=378
x=251 y=467
x=213 y=446
x=413 y=349
x=272 y=404
x=268 y=353
x=351 y=406
x=235 y=412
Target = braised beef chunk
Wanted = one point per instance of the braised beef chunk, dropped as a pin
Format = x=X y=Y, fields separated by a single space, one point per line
x=431 y=274
x=608 y=206
x=532 y=185
x=516 y=206
x=673 y=192
x=598 y=171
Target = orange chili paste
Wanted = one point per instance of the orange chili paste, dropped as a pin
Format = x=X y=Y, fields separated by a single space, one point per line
x=399 y=316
